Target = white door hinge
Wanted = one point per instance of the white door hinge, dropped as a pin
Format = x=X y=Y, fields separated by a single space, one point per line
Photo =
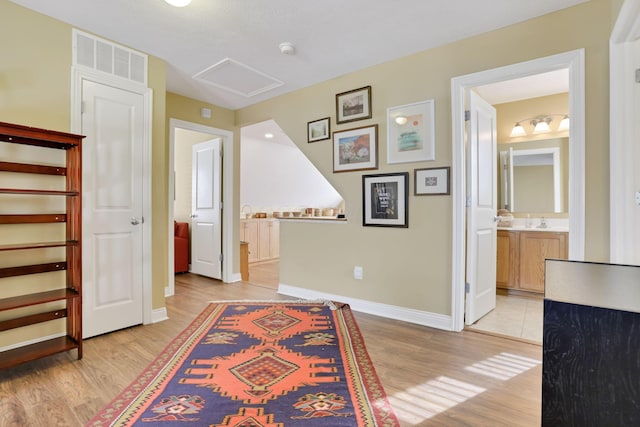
x=467 y=288
x=467 y=115
x=221 y=257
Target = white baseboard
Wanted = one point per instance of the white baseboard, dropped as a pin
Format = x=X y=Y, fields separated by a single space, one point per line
x=235 y=277
x=159 y=315
x=424 y=318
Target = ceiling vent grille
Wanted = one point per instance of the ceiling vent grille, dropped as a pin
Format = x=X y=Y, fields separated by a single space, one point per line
x=238 y=78
x=101 y=55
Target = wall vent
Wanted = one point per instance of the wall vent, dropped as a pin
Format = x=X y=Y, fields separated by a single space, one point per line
x=107 y=57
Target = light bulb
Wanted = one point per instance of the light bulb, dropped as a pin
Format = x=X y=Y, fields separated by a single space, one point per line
x=178 y=3
x=564 y=123
x=542 y=125
x=517 y=130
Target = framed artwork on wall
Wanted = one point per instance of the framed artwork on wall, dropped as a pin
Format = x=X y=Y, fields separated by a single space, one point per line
x=353 y=105
x=385 y=200
x=355 y=149
x=432 y=181
x=411 y=132
x=318 y=130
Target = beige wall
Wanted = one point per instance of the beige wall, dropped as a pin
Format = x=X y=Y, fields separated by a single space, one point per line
x=35 y=90
x=412 y=267
x=509 y=113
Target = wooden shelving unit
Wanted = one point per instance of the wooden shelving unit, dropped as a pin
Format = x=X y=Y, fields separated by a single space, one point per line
x=71 y=294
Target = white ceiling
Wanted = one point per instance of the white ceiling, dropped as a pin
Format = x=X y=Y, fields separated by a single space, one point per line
x=331 y=37
x=534 y=86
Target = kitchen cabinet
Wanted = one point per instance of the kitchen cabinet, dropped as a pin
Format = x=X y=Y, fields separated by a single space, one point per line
x=521 y=256
x=263 y=237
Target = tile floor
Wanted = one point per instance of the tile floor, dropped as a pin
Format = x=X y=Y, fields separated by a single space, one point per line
x=514 y=316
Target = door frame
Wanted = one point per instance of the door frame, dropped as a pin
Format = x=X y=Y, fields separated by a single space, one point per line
x=623 y=131
x=78 y=76
x=227 y=199
x=574 y=62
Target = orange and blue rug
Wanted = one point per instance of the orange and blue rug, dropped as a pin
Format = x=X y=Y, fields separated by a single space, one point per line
x=259 y=364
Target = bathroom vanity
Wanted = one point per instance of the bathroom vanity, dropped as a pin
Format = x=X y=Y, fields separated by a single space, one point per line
x=521 y=253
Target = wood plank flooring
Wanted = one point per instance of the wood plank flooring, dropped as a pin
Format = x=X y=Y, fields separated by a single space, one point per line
x=432 y=377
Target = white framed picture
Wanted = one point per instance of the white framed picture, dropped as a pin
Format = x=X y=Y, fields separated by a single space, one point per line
x=411 y=132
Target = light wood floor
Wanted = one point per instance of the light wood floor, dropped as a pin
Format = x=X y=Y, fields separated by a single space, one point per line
x=432 y=377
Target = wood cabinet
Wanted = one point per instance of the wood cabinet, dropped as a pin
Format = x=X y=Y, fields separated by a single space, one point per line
x=507 y=259
x=263 y=236
x=521 y=255
x=67 y=299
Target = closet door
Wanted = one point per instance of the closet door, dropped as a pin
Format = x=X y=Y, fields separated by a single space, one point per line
x=112 y=120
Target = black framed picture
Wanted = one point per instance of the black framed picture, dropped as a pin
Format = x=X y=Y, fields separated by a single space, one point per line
x=385 y=200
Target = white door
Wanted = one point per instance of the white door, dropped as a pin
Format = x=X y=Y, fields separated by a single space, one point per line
x=481 y=210
x=206 y=230
x=112 y=120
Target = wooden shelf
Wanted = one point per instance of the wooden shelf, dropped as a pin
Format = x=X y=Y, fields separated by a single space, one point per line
x=11 y=358
x=71 y=296
x=19 y=134
x=30 y=168
x=39 y=245
x=32 y=269
x=33 y=218
x=33 y=319
x=37 y=298
x=38 y=192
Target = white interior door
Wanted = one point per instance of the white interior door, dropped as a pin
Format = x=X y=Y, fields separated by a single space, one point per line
x=206 y=230
x=112 y=120
x=481 y=196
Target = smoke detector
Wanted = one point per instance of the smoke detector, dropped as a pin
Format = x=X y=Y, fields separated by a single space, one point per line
x=287 y=48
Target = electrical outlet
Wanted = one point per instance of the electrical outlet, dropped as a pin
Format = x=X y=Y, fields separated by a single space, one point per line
x=357 y=272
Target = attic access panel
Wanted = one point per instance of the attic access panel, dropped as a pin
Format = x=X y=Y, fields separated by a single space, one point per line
x=237 y=78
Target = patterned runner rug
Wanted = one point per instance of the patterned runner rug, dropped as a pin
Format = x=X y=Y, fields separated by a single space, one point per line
x=259 y=364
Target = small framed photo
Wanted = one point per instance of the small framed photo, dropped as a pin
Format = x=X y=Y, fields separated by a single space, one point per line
x=411 y=132
x=353 y=105
x=385 y=199
x=355 y=149
x=432 y=181
x=318 y=130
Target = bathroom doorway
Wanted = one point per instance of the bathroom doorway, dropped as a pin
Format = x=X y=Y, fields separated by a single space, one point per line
x=573 y=62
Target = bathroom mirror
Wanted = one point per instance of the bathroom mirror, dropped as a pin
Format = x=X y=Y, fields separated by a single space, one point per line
x=533 y=176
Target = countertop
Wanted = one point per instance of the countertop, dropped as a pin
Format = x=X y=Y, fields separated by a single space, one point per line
x=554 y=229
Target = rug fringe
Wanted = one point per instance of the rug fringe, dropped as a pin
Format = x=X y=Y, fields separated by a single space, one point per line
x=331 y=304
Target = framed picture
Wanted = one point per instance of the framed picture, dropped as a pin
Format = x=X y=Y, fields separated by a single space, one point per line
x=353 y=105
x=411 y=132
x=355 y=149
x=432 y=181
x=385 y=199
x=318 y=130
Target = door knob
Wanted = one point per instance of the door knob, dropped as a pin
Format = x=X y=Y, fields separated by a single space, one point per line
x=135 y=220
x=194 y=216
